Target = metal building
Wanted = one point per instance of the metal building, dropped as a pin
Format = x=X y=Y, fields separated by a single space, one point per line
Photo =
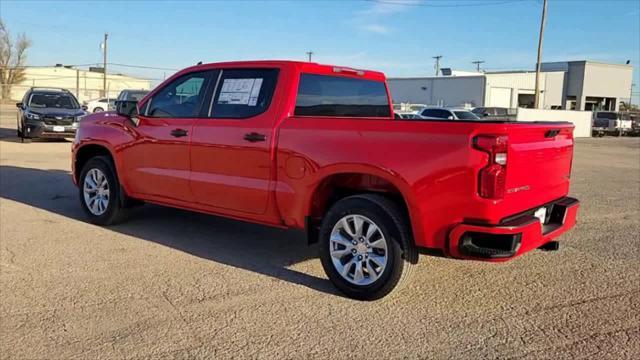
x=573 y=85
x=85 y=84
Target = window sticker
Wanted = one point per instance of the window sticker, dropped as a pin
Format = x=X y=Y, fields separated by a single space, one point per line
x=240 y=92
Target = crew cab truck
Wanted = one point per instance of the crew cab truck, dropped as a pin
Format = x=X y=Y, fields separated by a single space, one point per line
x=316 y=147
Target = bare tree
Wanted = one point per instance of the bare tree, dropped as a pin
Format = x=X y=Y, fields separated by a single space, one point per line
x=13 y=58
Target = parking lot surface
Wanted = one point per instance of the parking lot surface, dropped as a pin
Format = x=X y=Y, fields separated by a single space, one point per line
x=174 y=284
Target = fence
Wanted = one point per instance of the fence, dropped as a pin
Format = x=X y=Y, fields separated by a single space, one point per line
x=86 y=85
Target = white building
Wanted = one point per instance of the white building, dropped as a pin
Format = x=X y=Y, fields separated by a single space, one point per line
x=85 y=84
x=573 y=85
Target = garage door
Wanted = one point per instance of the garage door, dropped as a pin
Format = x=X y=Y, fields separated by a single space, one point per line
x=500 y=97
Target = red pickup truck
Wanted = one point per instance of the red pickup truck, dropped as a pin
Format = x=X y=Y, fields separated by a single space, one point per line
x=316 y=147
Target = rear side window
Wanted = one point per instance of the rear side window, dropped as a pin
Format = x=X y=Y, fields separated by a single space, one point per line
x=324 y=95
x=243 y=93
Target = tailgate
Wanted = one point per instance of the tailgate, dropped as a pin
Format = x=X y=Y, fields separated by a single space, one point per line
x=539 y=164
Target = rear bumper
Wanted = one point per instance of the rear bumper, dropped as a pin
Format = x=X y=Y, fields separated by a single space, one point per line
x=513 y=236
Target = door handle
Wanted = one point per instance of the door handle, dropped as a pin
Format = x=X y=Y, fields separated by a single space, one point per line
x=254 y=137
x=179 y=132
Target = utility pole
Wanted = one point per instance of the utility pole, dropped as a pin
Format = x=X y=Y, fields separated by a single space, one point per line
x=309 y=53
x=104 y=66
x=437 y=63
x=78 y=84
x=478 y=62
x=536 y=101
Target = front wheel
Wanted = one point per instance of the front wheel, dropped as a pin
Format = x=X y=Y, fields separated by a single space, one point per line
x=366 y=246
x=98 y=109
x=100 y=192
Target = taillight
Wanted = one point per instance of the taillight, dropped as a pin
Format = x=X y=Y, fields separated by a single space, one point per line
x=491 y=180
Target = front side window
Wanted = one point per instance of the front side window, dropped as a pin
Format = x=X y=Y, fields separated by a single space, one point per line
x=243 y=93
x=180 y=98
x=325 y=95
x=52 y=100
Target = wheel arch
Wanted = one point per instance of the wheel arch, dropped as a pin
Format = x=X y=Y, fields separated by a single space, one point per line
x=336 y=185
x=88 y=151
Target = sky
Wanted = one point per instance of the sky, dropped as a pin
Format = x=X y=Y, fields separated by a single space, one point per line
x=398 y=37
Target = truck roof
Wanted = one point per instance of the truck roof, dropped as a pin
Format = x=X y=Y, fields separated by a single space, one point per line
x=303 y=66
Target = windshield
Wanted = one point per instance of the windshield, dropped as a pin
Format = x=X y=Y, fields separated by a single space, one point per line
x=466 y=115
x=60 y=101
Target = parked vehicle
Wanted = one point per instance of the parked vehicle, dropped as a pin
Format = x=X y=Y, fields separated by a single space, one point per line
x=448 y=114
x=48 y=113
x=132 y=95
x=611 y=123
x=401 y=115
x=316 y=147
x=494 y=113
x=101 y=104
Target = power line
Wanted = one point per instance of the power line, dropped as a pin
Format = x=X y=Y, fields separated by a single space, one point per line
x=142 y=67
x=91 y=64
x=467 y=4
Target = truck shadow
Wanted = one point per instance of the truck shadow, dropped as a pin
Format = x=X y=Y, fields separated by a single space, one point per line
x=256 y=248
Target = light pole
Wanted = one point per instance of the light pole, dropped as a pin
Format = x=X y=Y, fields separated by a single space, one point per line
x=537 y=93
x=104 y=65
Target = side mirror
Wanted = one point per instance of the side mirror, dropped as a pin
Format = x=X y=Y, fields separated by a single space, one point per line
x=85 y=107
x=128 y=108
x=19 y=105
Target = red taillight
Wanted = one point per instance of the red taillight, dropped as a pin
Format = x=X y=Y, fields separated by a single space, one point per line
x=492 y=177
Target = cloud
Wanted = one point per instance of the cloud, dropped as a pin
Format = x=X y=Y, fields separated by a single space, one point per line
x=376 y=28
x=371 y=19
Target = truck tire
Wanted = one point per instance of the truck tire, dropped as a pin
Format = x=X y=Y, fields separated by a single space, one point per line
x=100 y=193
x=366 y=247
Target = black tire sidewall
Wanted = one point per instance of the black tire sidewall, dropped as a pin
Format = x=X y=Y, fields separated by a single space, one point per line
x=95 y=110
x=395 y=263
x=103 y=164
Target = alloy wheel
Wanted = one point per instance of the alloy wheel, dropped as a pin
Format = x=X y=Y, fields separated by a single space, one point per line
x=358 y=249
x=96 y=192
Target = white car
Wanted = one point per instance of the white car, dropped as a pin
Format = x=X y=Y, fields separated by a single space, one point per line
x=101 y=104
x=448 y=114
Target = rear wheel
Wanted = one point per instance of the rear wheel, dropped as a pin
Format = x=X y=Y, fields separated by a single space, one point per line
x=366 y=247
x=100 y=192
x=98 y=109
